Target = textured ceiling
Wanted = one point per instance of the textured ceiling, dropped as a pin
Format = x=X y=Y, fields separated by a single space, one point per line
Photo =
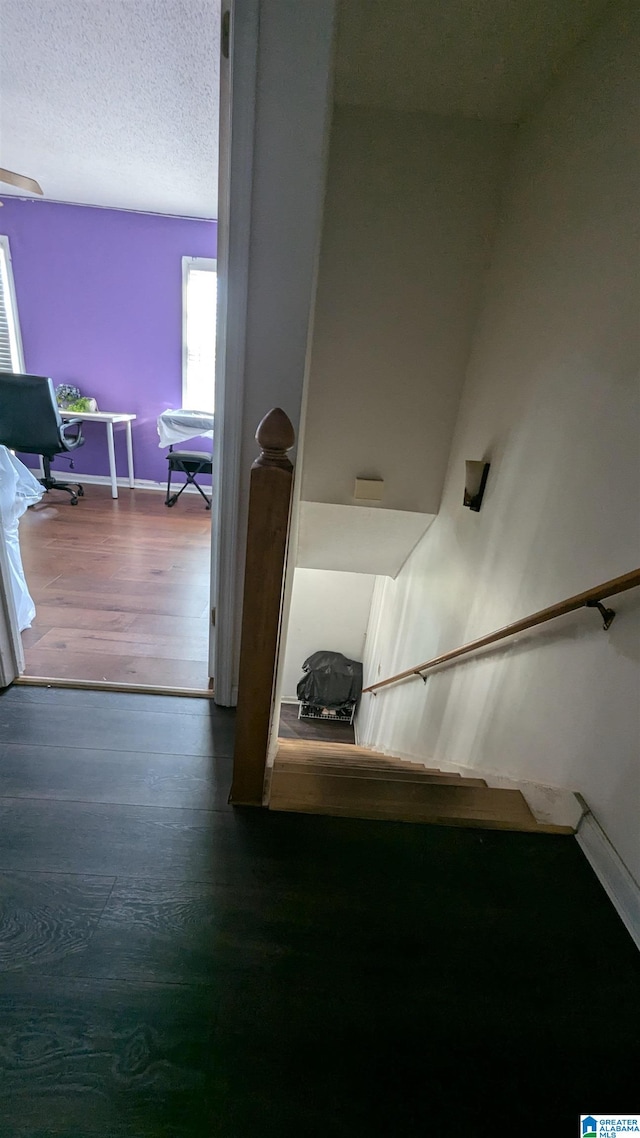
x=479 y=58
x=113 y=102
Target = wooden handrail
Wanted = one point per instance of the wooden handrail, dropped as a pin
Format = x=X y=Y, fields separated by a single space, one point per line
x=267 y=536
x=592 y=598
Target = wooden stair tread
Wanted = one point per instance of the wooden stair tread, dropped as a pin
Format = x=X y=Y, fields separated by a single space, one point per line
x=340 y=790
x=406 y=801
x=347 y=763
x=317 y=747
x=297 y=750
x=353 y=782
x=347 y=770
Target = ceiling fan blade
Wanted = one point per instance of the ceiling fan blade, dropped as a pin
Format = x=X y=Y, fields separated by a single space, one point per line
x=19 y=180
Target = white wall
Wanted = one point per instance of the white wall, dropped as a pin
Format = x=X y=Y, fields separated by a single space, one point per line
x=552 y=399
x=409 y=214
x=328 y=611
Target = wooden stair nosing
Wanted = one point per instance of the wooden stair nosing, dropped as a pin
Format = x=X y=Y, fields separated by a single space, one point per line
x=519 y=824
x=339 y=791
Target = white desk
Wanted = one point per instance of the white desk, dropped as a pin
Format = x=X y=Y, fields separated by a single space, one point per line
x=109 y=418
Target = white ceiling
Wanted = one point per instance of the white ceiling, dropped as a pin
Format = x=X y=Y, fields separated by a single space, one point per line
x=357 y=539
x=490 y=59
x=113 y=102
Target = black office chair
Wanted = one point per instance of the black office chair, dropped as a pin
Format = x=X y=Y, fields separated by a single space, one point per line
x=30 y=422
x=190 y=463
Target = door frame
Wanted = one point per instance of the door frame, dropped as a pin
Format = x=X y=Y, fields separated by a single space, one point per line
x=238 y=92
x=238 y=75
x=238 y=104
x=11 y=654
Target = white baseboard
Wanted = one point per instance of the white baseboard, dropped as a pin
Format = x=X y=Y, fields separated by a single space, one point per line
x=619 y=885
x=104 y=480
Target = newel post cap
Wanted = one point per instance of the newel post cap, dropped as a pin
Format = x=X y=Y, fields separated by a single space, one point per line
x=275 y=436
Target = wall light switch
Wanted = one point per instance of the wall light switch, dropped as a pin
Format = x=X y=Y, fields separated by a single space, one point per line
x=369 y=489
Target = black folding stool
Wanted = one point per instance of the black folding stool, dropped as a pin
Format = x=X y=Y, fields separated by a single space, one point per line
x=190 y=463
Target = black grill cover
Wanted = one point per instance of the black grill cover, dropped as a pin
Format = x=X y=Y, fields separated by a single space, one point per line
x=330 y=680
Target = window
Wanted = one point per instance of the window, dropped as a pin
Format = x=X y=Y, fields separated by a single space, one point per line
x=11 y=358
x=199 y=295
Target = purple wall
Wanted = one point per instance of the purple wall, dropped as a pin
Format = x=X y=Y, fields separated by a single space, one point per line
x=100 y=304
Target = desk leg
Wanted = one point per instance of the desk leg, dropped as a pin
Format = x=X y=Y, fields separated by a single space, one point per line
x=130 y=455
x=112 y=461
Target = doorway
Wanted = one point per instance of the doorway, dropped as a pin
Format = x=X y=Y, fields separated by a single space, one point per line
x=121 y=583
x=100 y=270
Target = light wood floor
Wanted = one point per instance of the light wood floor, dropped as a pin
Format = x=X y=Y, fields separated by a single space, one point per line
x=121 y=588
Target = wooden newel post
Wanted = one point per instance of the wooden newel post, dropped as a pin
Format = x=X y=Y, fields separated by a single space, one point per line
x=267 y=534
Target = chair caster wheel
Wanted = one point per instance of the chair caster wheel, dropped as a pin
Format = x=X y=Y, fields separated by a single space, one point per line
x=81 y=491
x=170 y=503
x=74 y=502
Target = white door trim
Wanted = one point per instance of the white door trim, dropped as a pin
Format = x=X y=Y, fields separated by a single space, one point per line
x=11 y=654
x=13 y=314
x=237 y=91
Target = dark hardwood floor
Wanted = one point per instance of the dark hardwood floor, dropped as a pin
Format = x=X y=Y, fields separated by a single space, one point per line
x=171 y=967
x=291 y=727
x=121 y=588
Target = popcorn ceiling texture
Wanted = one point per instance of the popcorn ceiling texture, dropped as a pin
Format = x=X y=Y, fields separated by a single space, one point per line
x=113 y=102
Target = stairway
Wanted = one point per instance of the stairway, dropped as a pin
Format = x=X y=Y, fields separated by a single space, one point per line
x=354 y=782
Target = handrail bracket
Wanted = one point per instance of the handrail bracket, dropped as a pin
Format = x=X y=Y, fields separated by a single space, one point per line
x=608 y=615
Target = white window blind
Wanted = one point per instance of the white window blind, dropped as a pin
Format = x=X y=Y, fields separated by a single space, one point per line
x=11 y=358
x=199 y=297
